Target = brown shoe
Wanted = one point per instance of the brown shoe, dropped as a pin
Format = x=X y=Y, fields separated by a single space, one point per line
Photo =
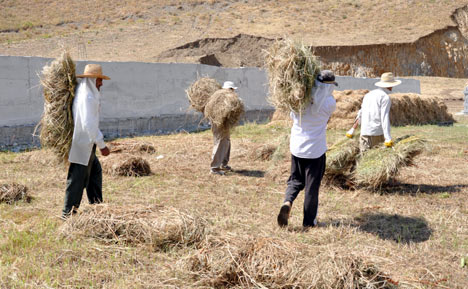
x=283 y=215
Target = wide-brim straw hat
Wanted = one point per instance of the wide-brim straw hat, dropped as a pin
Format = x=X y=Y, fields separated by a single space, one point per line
x=93 y=71
x=387 y=80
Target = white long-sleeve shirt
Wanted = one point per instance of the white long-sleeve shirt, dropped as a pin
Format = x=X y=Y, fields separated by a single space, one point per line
x=374 y=114
x=86 y=107
x=308 y=133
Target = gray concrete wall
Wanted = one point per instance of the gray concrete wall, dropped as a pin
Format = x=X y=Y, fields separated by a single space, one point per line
x=140 y=98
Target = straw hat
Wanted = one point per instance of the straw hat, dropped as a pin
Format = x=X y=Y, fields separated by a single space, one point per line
x=93 y=71
x=229 y=84
x=387 y=80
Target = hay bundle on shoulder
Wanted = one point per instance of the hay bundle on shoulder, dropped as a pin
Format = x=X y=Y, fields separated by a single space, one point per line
x=377 y=166
x=292 y=69
x=224 y=109
x=125 y=165
x=200 y=92
x=13 y=192
x=158 y=227
x=58 y=81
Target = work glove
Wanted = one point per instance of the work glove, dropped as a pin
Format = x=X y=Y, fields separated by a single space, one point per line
x=389 y=143
x=350 y=133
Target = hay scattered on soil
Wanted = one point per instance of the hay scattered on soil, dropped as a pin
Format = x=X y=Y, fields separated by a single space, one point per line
x=263 y=152
x=407 y=109
x=200 y=92
x=292 y=69
x=13 y=192
x=58 y=81
x=125 y=165
x=341 y=157
x=158 y=227
x=271 y=263
x=131 y=147
x=224 y=109
x=377 y=166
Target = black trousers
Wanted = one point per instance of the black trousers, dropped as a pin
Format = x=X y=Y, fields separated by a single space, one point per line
x=306 y=174
x=81 y=177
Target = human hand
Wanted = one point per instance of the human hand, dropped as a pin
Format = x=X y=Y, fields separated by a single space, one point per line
x=105 y=151
x=350 y=133
x=389 y=143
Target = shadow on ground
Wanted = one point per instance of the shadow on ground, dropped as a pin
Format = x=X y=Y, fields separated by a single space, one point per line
x=250 y=173
x=410 y=189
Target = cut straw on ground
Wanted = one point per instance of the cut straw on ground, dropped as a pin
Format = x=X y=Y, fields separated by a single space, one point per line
x=125 y=165
x=12 y=192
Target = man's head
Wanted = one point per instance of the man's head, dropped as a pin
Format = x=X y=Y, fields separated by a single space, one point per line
x=94 y=71
x=327 y=76
x=229 y=85
x=387 y=80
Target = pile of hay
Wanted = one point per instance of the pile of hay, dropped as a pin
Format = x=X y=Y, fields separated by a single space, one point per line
x=158 y=227
x=406 y=109
x=272 y=263
x=58 y=81
x=292 y=69
x=341 y=157
x=131 y=147
x=377 y=166
x=13 y=192
x=125 y=165
x=224 y=109
x=200 y=92
x=263 y=152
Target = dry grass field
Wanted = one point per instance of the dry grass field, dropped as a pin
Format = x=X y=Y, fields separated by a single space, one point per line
x=414 y=232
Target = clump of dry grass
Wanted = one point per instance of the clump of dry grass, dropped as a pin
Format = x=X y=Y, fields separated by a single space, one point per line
x=158 y=227
x=13 y=192
x=224 y=109
x=200 y=92
x=131 y=147
x=125 y=165
x=58 y=81
x=272 y=263
x=292 y=69
x=263 y=152
x=341 y=157
x=377 y=166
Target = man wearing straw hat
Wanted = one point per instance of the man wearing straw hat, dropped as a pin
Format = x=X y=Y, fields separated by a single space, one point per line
x=374 y=115
x=308 y=146
x=85 y=170
x=222 y=144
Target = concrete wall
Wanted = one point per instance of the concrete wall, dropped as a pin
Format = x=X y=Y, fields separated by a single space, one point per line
x=140 y=97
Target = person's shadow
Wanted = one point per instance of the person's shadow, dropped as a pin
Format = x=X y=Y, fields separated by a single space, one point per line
x=412 y=189
x=250 y=173
x=397 y=228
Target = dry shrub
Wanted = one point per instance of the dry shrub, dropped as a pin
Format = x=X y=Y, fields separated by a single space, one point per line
x=200 y=92
x=263 y=152
x=341 y=157
x=292 y=69
x=13 y=192
x=125 y=165
x=406 y=109
x=131 y=147
x=58 y=81
x=224 y=109
x=377 y=166
x=272 y=263
x=158 y=227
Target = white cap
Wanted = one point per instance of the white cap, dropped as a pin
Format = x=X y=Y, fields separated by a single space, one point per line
x=229 y=84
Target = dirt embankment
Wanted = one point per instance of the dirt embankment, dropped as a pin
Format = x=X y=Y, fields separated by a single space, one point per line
x=440 y=53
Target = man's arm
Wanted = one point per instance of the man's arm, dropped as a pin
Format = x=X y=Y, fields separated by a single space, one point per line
x=91 y=122
x=385 y=118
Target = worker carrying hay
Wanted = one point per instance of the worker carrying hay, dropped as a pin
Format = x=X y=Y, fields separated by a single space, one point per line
x=374 y=115
x=223 y=110
x=85 y=170
x=308 y=146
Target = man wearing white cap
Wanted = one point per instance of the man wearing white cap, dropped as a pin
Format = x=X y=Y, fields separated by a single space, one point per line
x=85 y=170
x=222 y=144
x=374 y=115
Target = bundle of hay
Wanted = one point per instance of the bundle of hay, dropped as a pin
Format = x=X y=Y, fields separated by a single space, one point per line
x=292 y=69
x=271 y=263
x=58 y=81
x=125 y=165
x=131 y=147
x=406 y=109
x=13 y=192
x=158 y=227
x=200 y=92
x=224 y=109
x=377 y=166
x=341 y=156
x=263 y=152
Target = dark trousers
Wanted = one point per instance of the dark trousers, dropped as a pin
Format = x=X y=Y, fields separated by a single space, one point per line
x=306 y=174
x=81 y=177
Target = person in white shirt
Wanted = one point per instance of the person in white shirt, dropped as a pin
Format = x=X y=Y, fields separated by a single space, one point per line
x=85 y=170
x=222 y=144
x=308 y=146
x=374 y=115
